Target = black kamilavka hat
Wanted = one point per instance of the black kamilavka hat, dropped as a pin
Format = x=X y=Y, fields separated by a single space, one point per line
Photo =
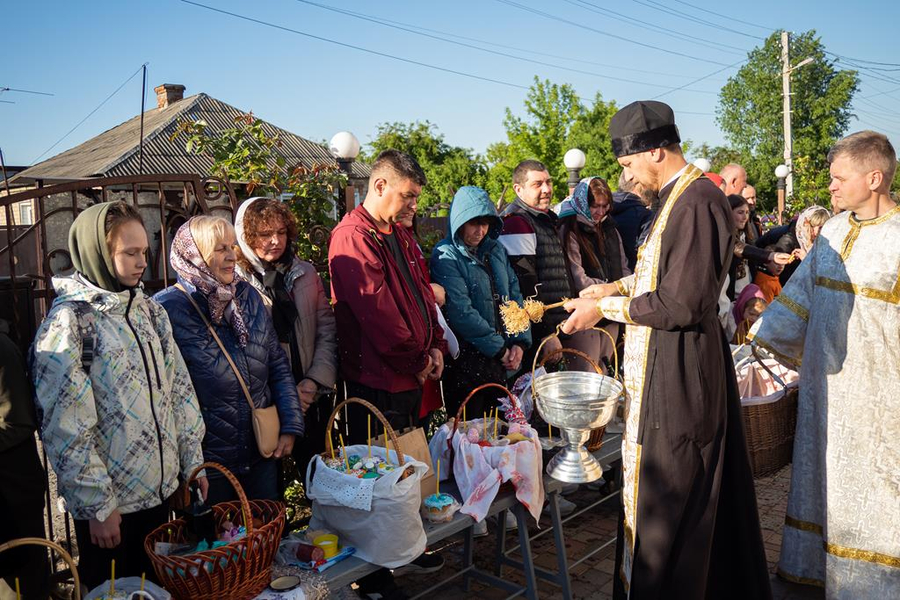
x=641 y=126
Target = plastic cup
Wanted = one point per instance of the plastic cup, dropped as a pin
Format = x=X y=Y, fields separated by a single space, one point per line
x=328 y=543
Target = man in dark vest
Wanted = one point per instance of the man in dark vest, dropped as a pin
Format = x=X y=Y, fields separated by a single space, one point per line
x=690 y=526
x=535 y=251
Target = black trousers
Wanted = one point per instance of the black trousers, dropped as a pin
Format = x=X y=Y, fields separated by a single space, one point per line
x=22 y=483
x=401 y=409
x=94 y=562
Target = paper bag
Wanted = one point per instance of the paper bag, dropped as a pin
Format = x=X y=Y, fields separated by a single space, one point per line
x=414 y=444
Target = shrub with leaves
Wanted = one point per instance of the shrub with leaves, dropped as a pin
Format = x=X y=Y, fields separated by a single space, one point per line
x=246 y=154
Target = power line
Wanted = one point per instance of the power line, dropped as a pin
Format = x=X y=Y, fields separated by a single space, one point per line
x=583 y=27
x=633 y=21
x=531 y=51
x=730 y=17
x=353 y=47
x=9 y=89
x=663 y=8
x=89 y=114
x=495 y=52
x=701 y=78
x=367 y=50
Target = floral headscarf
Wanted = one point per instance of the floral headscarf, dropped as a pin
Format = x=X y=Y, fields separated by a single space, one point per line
x=578 y=204
x=192 y=268
x=804 y=235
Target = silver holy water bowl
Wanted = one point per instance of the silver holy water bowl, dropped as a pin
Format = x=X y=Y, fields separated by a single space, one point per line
x=576 y=402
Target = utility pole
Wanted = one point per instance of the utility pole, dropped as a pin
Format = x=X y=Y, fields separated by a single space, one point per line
x=786 y=90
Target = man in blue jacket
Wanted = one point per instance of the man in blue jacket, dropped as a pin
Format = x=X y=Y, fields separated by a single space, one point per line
x=632 y=216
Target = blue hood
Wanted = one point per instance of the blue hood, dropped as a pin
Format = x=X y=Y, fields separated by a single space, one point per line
x=468 y=203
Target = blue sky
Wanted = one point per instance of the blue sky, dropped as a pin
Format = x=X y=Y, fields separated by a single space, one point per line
x=82 y=51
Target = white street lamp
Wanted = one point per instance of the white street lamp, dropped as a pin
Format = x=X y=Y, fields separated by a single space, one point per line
x=703 y=164
x=345 y=148
x=574 y=160
x=781 y=172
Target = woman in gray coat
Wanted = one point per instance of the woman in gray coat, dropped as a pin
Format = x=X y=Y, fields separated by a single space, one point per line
x=293 y=292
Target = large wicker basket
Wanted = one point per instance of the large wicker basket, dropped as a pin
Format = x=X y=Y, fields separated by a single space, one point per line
x=237 y=571
x=31 y=541
x=769 y=429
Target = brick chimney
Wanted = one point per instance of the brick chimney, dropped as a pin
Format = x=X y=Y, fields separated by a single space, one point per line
x=168 y=93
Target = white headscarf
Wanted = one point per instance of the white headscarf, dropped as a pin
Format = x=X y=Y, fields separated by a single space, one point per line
x=247 y=251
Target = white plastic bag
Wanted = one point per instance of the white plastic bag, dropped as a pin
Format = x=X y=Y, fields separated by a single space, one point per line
x=131 y=587
x=390 y=534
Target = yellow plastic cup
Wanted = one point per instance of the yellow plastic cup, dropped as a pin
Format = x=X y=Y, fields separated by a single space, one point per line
x=328 y=543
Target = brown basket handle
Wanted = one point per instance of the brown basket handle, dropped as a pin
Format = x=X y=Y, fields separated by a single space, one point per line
x=242 y=496
x=578 y=353
x=512 y=399
x=33 y=541
x=329 y=444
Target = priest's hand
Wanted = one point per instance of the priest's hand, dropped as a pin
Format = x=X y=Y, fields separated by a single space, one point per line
x=599 y=290
x=584 y=315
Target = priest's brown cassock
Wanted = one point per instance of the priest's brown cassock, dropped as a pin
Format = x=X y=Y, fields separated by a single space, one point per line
x=691 y=527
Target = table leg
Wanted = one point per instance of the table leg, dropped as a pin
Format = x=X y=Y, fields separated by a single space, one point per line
x=525 y=549
x=501 y=543
x=467 y=557
x=559 y=539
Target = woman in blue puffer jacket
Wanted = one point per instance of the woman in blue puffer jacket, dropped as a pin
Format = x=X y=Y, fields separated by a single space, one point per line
x=474 y=270
x=203 y=255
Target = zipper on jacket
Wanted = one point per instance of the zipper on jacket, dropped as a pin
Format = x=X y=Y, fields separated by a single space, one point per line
x=162 y=466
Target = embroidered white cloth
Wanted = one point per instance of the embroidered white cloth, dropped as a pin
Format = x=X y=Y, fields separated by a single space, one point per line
x=480 y=470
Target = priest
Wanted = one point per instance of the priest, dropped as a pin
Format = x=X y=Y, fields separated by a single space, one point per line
x=690 y=527
x=838 y=321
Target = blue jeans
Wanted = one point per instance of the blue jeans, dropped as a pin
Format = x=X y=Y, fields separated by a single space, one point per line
x=259 y=483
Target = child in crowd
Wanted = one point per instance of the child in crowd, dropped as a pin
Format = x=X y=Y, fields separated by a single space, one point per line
x=120 y=423
x=768 y=278
x=747 y=309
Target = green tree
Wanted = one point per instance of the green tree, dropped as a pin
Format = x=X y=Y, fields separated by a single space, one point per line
x=750 y=111
x=555 y=120
x=447 y=167
x=246 y=154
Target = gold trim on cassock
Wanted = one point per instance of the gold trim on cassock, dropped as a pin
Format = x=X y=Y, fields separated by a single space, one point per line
x=637 y=348
x=793 y=306
x=803 y=525
x=791 y=360
x=863 y=555
x=891 y=297
x=849 y=240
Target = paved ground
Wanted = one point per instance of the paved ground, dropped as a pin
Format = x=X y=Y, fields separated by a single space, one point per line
x=593 y=578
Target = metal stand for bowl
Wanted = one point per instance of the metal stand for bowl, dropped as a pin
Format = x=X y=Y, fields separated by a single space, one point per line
x=575 y=402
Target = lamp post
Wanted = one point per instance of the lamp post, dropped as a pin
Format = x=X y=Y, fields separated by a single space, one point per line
x=781 y=172
x=703 y=164
x=786 y=70
x=345 y=148
x=574 y=160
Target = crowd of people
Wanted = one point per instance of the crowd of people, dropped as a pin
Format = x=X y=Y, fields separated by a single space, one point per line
x=134 y=393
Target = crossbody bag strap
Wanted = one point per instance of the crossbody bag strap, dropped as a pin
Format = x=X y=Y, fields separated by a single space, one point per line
x=221 y=346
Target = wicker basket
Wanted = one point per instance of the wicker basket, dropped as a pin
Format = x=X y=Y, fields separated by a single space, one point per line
x=769 y=429
x=237 y=571
x=32 y=541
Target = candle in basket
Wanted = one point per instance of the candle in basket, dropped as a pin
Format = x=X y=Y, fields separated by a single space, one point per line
x=18 y=591
x=143 y=578
x=438 y=478
x=112 y=579
x=370 y=436
x=496 y=419
x=344 y=452
x=464 y=416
